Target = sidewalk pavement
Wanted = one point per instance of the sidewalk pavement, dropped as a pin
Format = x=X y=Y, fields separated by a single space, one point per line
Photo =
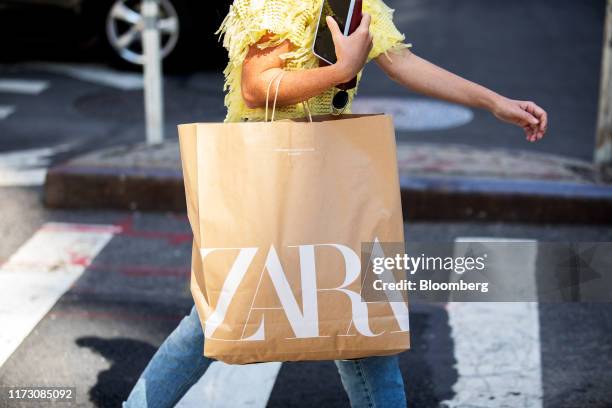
x=438 y=182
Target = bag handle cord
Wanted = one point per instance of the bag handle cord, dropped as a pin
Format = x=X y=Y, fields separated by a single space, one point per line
x=280 y=77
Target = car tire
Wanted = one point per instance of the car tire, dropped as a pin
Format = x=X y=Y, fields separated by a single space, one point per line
x=176 y=43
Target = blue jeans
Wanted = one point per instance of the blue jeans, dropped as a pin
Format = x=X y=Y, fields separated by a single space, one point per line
x=179 y=363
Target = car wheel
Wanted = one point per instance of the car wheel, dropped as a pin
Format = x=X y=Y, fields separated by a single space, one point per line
x=124 y=26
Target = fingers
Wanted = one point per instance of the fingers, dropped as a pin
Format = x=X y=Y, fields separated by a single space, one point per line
x=527 y=119
x=364 y=25
x=364 y=29
x=531 y=133
x=530 y=124
x=539 y=113
x=529 y=116
x=333 y=27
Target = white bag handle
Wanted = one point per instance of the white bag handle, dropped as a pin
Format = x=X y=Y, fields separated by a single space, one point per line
x=280 y=77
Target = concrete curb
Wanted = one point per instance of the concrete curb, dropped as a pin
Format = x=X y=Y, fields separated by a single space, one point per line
x=463 y=198
x=76 y=186
x=423 y=198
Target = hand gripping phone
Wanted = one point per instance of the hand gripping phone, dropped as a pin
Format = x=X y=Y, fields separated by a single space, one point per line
x=347 y=14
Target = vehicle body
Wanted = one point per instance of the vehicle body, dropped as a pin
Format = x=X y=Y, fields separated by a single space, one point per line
x=187 y=27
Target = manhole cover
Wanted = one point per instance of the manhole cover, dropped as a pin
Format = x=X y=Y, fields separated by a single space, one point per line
x=112 y=105
x=416 y=113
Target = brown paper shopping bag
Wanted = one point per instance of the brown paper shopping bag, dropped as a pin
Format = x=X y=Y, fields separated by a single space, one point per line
x=279 y=211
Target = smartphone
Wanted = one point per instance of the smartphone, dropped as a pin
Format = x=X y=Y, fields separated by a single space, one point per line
x=347 y=14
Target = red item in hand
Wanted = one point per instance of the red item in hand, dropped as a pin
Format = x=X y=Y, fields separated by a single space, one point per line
x=355 y=21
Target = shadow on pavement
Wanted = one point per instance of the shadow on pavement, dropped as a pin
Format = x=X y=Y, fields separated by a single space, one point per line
x=127 y=359
x=429 y=367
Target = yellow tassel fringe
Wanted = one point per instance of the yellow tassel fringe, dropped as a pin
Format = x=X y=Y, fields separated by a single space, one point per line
x=295 y=20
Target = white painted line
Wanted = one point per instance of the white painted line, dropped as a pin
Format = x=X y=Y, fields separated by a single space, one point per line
x=497 y=344
x=23 y=86
x=27 y=167
x=22 y=178
x=40 y=272
x=226 y=385
x=6 y=111
x=97 y=74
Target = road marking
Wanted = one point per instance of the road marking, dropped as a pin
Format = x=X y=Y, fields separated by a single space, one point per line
x=6 y=111
x=61 y=252
x=27 y=167
x=225 y=385
x=97 y=74
x=416 y=114
x=29 y=86
x=497 y=344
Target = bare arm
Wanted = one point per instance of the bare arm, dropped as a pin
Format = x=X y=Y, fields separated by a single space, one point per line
x=422 y=76
x=262 y=66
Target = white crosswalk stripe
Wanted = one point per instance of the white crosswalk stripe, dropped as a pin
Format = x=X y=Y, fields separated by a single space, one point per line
x=6 y=111
x=497 y=344
x=218 y=386
x=47 y=265
x=20 y=86
x=23 y=86
x=97 y=74
x=27 y=167
x=40 y=272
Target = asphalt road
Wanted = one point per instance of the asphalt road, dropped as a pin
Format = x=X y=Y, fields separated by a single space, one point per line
x=548 y=51
x=102 y=331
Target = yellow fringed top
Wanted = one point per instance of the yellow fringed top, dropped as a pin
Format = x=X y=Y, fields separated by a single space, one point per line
x=295 y=20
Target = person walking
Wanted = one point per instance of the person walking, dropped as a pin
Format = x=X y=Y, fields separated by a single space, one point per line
x=270 y=40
